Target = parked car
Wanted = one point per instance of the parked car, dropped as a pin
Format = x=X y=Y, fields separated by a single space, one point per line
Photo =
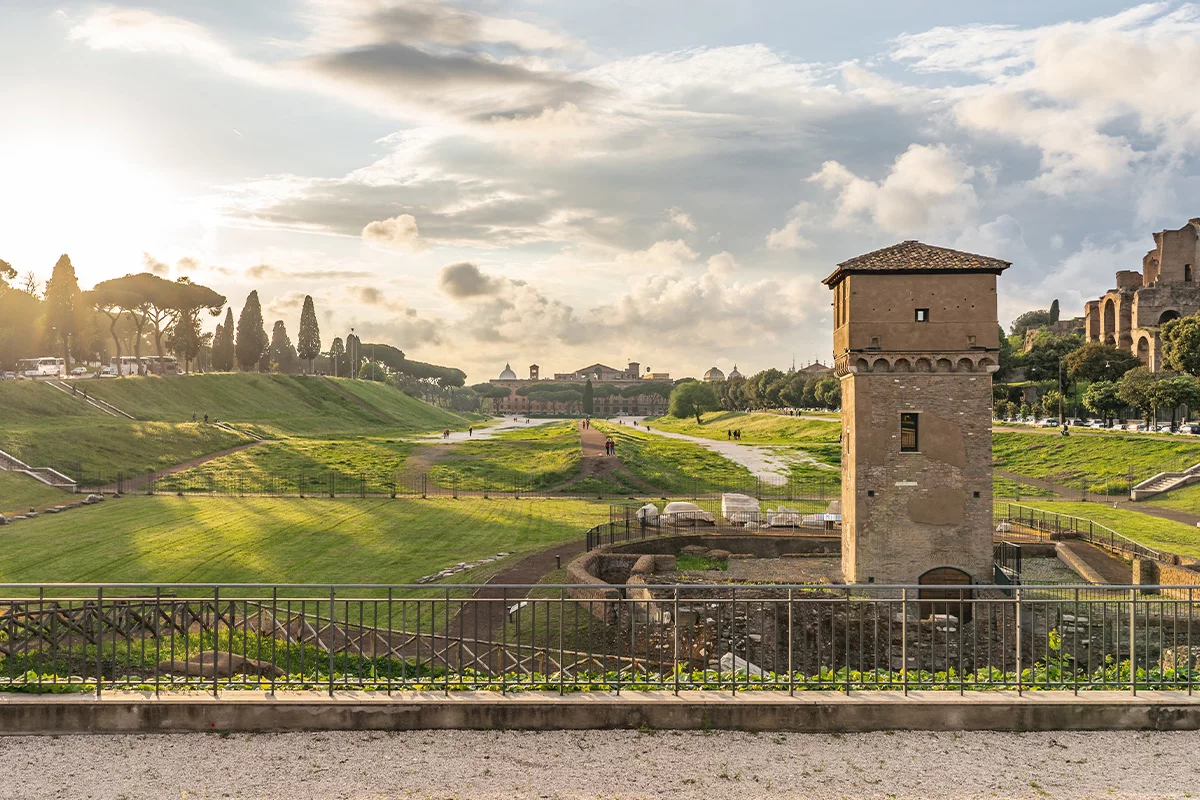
x=8 y=375
x=1194 y=430
x=1050 y=423
x=80 y=372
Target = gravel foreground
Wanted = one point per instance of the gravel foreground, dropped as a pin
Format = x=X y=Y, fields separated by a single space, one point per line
x=602 y=764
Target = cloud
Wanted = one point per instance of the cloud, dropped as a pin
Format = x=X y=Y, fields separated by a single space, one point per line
x=284 y=305
x=153 y=265
x=788 y=237
x=661 y=255
x=927 y=187
x=465 y=280
x=266 y=272
x=399 y=232
x=681 y=218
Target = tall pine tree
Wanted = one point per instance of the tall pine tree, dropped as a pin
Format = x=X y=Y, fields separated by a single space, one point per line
x=589 y=401
x=222 y=348
x=337 y=357
x=308 y=343
x=251 y=342
x=62 y=295
x=282 y=354
x=1054 y=311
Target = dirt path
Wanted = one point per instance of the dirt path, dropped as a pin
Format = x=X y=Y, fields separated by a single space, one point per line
x=142 y=481
x=1123 y=501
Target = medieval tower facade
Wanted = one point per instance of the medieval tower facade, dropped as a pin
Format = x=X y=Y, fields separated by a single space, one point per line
x=916 y=340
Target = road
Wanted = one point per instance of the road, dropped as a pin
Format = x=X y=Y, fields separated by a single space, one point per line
x=602 y=764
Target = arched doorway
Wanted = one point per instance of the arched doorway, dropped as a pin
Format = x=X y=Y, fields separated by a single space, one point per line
x=945 y=600
x=1109 y=322
x=1143 y=350
x=1167 y=316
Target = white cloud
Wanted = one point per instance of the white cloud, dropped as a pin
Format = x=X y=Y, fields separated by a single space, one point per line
x=681 y=218
x=927 y=188
x=399 y=232
x=788 y=237
x=666 y=254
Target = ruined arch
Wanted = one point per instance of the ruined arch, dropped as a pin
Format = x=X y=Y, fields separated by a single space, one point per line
x=1143 y=349
x=1167 y=316
x=1108 y=321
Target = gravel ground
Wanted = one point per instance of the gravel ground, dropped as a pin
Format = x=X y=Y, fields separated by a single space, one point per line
x=602 y=764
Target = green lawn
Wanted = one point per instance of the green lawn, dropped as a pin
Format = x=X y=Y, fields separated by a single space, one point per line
x=674 y=466
x=32 y=402
x=20 y=492
x=1185 y=499
x=273 y=540
x=756 y=428
x=107 y=445
x=293 y=404
x=1161 y=534
x=1087 y=461
x=534 y=458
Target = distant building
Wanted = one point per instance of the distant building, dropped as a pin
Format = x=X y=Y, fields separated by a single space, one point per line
x=714 y=374
x=609 y=389
x=816 y=368
x=1131 y=315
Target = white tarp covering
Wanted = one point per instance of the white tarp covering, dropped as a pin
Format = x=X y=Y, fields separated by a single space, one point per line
x=819 y=520
x=683 y=513
x=739 y=508
x=648 y=514
x=783 y=517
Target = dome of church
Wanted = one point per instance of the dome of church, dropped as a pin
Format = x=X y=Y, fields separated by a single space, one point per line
x=508 y=374
x=735 y=373
x=714 y=374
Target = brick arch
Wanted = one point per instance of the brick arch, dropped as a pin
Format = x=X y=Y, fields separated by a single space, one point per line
x=1143 y=349
x=881 y=365
x=902 y=365
x=1168 y=315
x=922 y=365
x=964 y=365
x=945 y=365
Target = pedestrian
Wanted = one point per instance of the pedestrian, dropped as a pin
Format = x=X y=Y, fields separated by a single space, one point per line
x=728 y=433
x=193 y=416
x=205 y=417
x=471 y=432
x=74 y=389
x=85 y=393
x=612 y=450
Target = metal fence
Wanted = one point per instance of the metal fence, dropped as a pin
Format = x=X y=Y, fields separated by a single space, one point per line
x=1052 y=526
x=436 y=482
x=96 y=638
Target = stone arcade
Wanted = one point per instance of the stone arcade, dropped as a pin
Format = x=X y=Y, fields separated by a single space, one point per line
x=915 y=343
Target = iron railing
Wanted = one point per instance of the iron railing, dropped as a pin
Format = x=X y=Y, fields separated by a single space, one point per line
x=100 y=637
x=429 y=483
x=1051 y=526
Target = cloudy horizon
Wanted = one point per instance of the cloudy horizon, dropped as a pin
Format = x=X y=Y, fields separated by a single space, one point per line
x=551 y=182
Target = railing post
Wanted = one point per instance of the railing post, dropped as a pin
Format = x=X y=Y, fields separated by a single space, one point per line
x=99 y=638
x=904 y=639
x=1133 y=643
x=1017 y=616
x=330 y=636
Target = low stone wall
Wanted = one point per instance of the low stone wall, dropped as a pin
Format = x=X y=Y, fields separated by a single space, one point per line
x=609 y=576
x=759 y=545
x=1148 y=572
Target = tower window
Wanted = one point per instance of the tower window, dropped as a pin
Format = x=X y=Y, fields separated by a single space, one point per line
x=922 y=315
x=908 y=433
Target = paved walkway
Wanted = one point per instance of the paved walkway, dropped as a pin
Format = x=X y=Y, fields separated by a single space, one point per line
x=1110 y=568
x=506 y=424
x=614 y=765
x=770 y=463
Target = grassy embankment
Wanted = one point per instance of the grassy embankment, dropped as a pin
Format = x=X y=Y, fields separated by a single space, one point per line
x=1091 y=462
x=1161 y=534
x=671 y=465
x=802 y=441
x=534 y=458
x=282 y=540
x=46 y=427
x=20 y=493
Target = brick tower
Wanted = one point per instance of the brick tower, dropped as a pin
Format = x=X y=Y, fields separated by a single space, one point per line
x=915 y=343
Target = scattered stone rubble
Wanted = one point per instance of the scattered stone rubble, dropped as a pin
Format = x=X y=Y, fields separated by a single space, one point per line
x=461 y=566
x=33 y=512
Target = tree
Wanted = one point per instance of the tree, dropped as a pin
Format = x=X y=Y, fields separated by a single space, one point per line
x=373 y=371
x=1026 y=410
x=184 y=339
x=1136 y=388
x=1050 y=402
x=1096 y=361
x=353 y=354
x=589 y=398
x=1054 y=311
x=251 y=341
x=1173 y=391
x=1102 y=398
x=188 y=300
x=691 y=399
x=1049 y=349
x=1180 y=340
x=282 y=354
x=7 y=273
x=113 y=299
x=62 y=295
x=1030 y=319
x=222 y=346
x=337 y=355
x=308 y=343
x=828 y=392
x=1002 y=409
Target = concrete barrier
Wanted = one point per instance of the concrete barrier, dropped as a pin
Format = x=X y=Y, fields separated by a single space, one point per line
x=825 y=712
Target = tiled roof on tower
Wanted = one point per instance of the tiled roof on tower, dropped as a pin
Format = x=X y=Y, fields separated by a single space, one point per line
x=913 y=256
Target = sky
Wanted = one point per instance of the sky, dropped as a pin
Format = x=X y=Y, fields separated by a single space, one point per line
x=562 y=182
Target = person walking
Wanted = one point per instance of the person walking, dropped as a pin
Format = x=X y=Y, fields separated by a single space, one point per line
x=471 y=432
x=205 y=417
x=728 y=434
x=193 y=416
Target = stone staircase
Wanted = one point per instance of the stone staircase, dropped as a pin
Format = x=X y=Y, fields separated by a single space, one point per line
x=94 y=402
x=225 y=426
x=1165 y=482
x=48 y=476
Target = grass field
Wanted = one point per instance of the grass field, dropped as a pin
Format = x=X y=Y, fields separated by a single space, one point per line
x=1161 y=534
x=107 y=445
x=1185 y=499
x=1087 y=461
x=20 y=492
x=533 y=458
x=756 y=428
x=674 y=466
x=32 y=402
x=272 y=540
x=290 y=404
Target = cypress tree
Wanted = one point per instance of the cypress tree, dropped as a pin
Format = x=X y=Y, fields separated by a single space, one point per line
x=251 y=342
x=222 y=356
x=62 y=295
x=308 y=343
x=282 y=354
x=337 y=357
x=589 y=402
x=1054 y=311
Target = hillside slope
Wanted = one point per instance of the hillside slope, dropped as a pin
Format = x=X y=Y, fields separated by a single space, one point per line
x=284 y=403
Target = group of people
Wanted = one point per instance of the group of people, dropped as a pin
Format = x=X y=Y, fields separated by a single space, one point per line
x=734 y=435
x=205 y=416
x=610 y=447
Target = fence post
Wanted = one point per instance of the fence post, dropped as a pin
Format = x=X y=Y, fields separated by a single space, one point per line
x=903 y=640
x=99 y=638
x=1133 y=643
x=1017 y=594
